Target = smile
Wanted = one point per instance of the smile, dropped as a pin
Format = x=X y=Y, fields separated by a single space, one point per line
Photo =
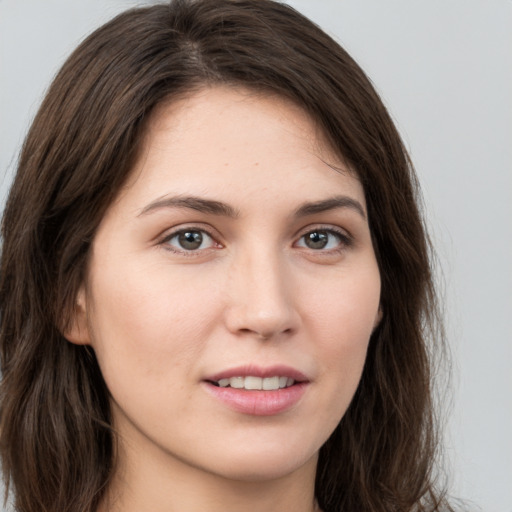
x=256 y=383
x=258 y=391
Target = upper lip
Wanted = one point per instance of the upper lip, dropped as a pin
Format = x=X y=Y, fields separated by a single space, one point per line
x=259 y=371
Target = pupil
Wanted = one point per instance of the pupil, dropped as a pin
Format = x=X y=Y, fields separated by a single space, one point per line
x=190 y=240
x=317 y=240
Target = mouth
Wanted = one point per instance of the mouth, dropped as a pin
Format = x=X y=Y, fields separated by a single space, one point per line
x=254 y=383
x=258 y=391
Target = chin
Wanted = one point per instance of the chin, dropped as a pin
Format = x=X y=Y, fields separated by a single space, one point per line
x=263 y=465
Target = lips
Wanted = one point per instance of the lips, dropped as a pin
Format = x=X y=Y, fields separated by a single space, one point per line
x=256 y=390
x=252 y=382
x=261 y=372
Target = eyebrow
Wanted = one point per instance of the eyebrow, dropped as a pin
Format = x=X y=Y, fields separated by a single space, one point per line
x=331 y=203
x=193 y=203
x=222 y=209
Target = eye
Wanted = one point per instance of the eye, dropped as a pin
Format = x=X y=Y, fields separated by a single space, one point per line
x=189 y=240
x=323 y=239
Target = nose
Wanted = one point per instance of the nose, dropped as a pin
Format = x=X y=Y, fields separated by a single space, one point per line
x=261 y=302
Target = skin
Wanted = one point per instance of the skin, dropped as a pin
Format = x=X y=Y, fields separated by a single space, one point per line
x=161 y=318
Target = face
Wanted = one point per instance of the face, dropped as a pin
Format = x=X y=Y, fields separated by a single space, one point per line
x=232 y=289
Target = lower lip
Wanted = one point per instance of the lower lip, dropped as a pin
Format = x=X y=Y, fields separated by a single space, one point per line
x=258 y=403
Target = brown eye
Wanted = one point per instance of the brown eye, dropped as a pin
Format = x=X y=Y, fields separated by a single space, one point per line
x=323 y=239
x=316 y=239
x=189 y=240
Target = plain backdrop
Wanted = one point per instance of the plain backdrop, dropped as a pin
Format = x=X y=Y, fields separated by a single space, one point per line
x=444 y=69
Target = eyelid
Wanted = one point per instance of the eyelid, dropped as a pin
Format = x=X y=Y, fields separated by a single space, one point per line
x=346 y=239
x=169 y=234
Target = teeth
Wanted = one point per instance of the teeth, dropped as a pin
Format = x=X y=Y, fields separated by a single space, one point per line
x=237 y=382
x=253 y=383
x=257 y=383
x=270 y=383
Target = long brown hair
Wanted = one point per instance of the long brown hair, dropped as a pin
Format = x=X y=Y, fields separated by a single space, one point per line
x=56 y=443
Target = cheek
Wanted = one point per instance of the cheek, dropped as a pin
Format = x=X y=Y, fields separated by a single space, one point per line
x=346 y=309
x=148 y=322
x=343 y=318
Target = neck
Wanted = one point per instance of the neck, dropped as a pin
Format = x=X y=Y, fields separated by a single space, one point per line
x=149 y=481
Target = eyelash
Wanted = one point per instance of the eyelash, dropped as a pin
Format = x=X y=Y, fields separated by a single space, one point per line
x=165 y=242
x=345 y=240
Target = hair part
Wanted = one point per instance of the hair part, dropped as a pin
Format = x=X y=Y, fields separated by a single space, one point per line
x=56 y=440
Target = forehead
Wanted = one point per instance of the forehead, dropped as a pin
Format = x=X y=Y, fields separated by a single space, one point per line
x=225 y=140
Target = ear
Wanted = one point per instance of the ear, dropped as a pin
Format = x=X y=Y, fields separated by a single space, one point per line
x=378 y=318
x=77 y=331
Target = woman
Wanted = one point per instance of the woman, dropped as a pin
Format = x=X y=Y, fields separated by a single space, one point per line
x=215 y=284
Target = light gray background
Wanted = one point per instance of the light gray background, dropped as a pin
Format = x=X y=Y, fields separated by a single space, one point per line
x=444 y=68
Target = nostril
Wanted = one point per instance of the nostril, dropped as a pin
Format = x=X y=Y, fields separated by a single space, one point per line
x=265 y=334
